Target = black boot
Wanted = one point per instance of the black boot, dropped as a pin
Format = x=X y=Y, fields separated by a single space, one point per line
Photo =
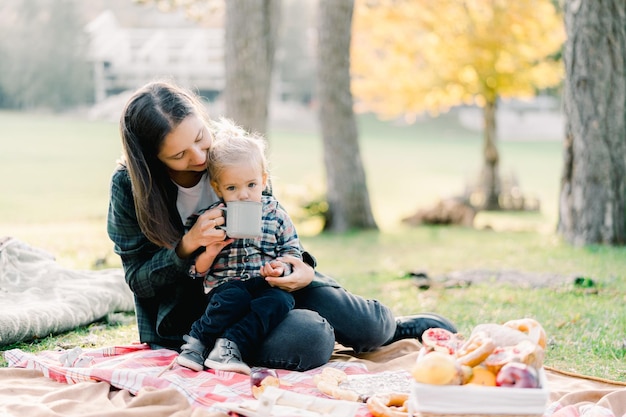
x=412 y=327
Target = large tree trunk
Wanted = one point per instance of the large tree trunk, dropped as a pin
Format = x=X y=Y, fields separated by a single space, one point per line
x=490 y=172
x=250 y=38
x=348 y=198
x=592 y=206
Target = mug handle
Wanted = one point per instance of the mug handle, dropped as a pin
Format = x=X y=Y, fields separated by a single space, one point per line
x=223 y=227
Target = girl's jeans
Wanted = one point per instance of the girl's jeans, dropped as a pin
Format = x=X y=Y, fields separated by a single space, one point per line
x=243 y=312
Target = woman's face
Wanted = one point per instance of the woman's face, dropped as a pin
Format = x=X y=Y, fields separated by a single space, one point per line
x=185 y=148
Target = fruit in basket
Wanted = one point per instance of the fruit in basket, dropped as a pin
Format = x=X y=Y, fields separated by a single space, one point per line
x=261 y=378
x=437 y=368
x=517 y=375
x=440 y=340
x=525 y=352
x=482 y=376
x=466 y=374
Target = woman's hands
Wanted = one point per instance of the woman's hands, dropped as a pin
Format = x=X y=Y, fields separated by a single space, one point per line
x=302 y=274
x=204 y=233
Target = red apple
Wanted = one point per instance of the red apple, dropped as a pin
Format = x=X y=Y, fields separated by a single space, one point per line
x=261 y=378
x=517 y=375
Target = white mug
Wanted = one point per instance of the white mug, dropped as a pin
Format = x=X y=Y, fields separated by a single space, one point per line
x=243 y=219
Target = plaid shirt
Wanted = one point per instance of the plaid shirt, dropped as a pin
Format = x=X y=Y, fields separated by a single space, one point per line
x=243 y=258
x=167 y=301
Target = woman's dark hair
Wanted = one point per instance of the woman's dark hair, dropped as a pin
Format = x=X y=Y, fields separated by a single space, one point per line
x=149 y=116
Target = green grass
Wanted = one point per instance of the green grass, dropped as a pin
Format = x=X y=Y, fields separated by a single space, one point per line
x=54 y=169
x=57 y=197
x=585 y=325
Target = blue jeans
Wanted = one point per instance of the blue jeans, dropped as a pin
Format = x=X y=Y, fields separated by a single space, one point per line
x=243 y=312
x=305 y=339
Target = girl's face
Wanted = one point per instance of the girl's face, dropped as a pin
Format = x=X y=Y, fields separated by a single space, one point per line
x=185 y=148
x=242 y=182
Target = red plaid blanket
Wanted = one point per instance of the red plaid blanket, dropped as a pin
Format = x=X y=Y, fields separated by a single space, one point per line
x=137 y=366
x=134 y=367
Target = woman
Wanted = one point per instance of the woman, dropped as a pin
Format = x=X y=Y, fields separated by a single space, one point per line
x=160 y=182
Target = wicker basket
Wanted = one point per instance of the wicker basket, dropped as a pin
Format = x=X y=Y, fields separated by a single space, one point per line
x=477 y=401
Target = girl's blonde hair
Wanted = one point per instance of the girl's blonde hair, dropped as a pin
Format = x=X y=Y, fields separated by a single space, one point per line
x=232 y=145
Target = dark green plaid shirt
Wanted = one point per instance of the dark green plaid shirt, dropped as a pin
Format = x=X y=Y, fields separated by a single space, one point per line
x=167 y=300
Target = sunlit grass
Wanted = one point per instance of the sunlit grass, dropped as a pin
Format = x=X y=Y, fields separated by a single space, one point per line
x=585 y=325
x=54 y=168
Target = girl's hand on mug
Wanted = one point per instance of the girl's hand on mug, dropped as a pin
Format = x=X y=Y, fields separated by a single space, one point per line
x=301 y=275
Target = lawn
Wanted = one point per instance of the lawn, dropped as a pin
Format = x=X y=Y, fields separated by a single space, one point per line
x=56 y=198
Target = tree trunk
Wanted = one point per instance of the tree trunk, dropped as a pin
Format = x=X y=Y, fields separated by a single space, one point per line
x=592 y=205
x=490 y=173
x=250 y=38
x=347 y=195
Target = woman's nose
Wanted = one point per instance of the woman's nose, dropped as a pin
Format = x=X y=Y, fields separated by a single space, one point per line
x=199 y=156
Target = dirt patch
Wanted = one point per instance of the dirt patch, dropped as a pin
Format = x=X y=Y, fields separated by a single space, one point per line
x=482 y=276
x=524 y=279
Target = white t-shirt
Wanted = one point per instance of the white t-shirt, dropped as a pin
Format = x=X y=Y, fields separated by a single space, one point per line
x=192 y=200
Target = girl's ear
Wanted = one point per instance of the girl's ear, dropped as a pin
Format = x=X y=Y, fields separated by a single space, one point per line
x=265 y=176
x=216 y=189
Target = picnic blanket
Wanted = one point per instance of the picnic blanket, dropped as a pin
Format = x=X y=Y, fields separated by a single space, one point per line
x=39 y=297
x=130 y=381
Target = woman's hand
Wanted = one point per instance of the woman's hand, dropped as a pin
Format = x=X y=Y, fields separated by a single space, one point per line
x=204 y=233
x=301 y=275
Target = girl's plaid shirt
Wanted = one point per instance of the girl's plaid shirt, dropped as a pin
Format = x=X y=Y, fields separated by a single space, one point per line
x=244 y=257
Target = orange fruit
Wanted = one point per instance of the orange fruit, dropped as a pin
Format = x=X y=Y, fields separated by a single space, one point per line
x=482 y=376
